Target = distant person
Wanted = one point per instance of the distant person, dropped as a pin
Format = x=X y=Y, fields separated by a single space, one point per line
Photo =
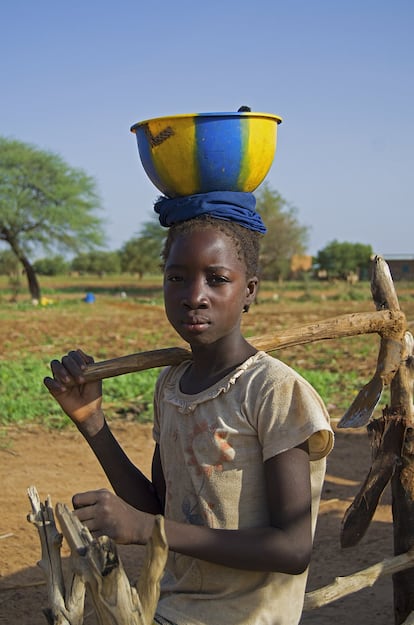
x=240 y=438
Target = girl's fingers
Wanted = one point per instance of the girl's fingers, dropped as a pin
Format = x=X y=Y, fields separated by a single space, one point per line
x=52 y=386
x=70 y=367
x=74 y=364
x=89 y=498
x=82 y=500
x=87 y=359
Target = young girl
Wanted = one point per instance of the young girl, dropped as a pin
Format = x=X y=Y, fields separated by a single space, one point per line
x=240 y=438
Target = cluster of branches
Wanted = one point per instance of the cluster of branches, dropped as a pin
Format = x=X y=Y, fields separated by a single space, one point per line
x=47 y=206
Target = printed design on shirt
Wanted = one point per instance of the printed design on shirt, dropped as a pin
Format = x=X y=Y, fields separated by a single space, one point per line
x=208 y=449
x=189 y=508
x=206 y=453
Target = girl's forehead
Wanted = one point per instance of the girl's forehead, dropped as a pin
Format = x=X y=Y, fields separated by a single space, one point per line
x=208 y=243
x=204 y=239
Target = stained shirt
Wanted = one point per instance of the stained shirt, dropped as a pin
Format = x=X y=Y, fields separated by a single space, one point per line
x=213 y=446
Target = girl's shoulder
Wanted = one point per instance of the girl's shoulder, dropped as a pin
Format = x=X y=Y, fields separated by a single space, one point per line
x=271 y=370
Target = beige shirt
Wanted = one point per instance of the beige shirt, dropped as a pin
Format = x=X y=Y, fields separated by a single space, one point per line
x=213 y=446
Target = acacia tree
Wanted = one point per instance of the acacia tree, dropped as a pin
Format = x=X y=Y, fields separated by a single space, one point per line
x=44 y=204
x=285 y=235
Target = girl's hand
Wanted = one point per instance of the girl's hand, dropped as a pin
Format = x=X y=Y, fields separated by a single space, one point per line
x=81 y=402
x=105 y=514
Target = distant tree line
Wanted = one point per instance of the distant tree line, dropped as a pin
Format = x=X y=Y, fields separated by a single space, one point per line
x=46 y=205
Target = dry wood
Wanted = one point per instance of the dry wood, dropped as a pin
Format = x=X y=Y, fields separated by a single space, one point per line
x=95 y=564
x=382 y=286
x=388 y=362
x=390 y=353
x=402 y=483
x=343 y=586
x=384 y=322
x=387 y=437
x=64 y=608
x=402 y=385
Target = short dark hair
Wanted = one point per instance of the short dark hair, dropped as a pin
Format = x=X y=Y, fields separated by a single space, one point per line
x=246 y=242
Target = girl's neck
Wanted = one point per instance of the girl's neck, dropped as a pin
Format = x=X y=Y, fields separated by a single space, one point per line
x=210 y=365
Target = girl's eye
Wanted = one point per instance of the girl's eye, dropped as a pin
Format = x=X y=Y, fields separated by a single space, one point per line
x=216 y=279
x=174 y=278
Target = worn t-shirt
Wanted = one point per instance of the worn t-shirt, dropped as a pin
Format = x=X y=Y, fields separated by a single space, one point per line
x=213 y=446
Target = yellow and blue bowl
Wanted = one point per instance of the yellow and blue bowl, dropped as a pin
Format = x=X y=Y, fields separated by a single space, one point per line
x=198 y=153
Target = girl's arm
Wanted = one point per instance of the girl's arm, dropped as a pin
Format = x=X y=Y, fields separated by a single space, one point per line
x=129 y=483
x=285 y=545
x=83 y=404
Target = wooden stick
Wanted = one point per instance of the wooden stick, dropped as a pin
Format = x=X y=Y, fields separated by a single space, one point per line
x=387 y=437
x=382 y=286
x=381 y=322
x=343 y=586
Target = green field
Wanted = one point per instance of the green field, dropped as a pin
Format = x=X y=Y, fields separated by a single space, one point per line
x=127 y=316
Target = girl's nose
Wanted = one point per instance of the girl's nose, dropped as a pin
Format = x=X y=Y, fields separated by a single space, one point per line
x=195 y=296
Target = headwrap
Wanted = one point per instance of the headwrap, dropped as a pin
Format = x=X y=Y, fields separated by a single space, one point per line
x=236 y=206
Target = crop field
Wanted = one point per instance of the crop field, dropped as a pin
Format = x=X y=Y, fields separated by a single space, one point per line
x=39 y=446
x=127 y=316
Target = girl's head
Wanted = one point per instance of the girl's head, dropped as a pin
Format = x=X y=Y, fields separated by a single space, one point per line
x=246 y=242
x=210 y=278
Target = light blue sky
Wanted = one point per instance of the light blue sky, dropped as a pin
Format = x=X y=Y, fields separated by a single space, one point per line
x=75 y=76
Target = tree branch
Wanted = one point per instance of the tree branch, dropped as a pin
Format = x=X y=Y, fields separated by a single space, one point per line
x=343 y=586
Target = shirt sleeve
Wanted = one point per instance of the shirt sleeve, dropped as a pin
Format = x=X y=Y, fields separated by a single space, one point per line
x=288 y=411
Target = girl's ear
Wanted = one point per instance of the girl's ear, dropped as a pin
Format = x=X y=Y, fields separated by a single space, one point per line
x=251 y=292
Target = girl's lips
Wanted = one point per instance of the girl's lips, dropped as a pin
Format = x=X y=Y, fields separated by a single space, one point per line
x=196 y=321
x=196 y=325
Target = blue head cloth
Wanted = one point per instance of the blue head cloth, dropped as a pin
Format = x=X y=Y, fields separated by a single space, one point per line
x=236 y=206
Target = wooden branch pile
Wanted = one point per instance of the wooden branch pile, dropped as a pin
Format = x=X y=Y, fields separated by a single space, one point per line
x=392 y=461
x=94 y=566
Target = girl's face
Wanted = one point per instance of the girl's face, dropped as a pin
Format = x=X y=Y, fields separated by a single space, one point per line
x=205 y=286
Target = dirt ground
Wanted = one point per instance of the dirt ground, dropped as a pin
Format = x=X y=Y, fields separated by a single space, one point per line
x=60 y=464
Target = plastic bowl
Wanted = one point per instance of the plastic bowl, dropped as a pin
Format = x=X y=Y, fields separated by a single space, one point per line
x=197 y=153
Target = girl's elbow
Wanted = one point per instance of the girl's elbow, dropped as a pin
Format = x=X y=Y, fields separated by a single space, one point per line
x=299 y=560
x=294 y=562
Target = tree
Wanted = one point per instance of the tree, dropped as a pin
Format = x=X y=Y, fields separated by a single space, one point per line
x=44 y=204
x=9 y=265
x=51 y=266
x=339 y=260
x=285 y=235
x=142 y=254
x=97 y=262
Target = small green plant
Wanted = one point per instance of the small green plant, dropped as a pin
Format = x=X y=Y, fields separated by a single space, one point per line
x=336 y=388
x=24 y=398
